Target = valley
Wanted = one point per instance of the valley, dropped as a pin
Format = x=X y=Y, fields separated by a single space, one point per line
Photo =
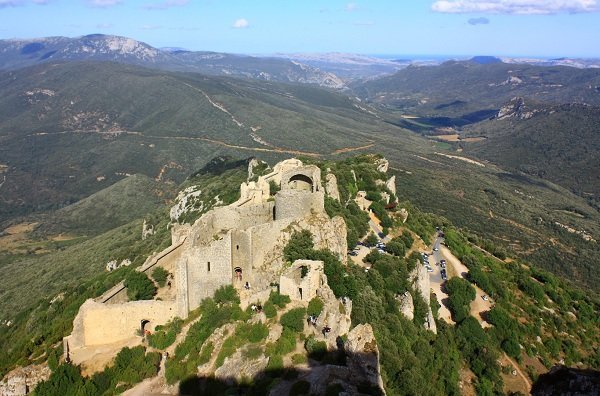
x=159 y=158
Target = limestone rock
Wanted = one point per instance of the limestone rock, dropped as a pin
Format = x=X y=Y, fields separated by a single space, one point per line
x=422 y=285
x=383 y=165
x=147 y=230
x=336 y=315
x=275 y=331
x=331 y=186
x=23 y=380
x=237 y=367
x=391 y=184
x=407 y=306
x=363 y=354
x=404 y=213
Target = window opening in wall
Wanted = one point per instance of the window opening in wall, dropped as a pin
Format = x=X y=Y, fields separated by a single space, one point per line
x=300 y=290
x=237 y=247
x=238 y=273
x=143 y=324
x=208 y=266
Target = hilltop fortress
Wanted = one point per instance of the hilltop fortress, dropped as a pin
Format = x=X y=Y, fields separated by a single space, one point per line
x=240 y=244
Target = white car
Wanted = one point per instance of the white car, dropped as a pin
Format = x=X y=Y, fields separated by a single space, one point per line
x=484 y=297
x=435 y=249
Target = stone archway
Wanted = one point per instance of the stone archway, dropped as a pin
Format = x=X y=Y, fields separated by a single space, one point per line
x=237 y=274
x=145 y=326
x=301 y=182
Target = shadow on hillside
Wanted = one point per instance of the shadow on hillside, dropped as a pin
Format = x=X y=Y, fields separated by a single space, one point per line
x=562 y=380
x=325 y=373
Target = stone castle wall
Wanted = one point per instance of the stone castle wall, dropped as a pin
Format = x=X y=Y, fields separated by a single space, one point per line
x=98 y=324
x=292 y=204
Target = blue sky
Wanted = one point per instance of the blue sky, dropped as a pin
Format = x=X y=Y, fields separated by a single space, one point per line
x=542 y=28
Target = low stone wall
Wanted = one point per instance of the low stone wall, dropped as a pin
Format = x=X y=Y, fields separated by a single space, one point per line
x=98 y=324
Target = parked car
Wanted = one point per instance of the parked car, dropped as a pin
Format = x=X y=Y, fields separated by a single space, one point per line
x=484 y=297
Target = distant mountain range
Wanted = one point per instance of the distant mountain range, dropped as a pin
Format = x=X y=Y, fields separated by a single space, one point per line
x=16 y=54
x=460 y=89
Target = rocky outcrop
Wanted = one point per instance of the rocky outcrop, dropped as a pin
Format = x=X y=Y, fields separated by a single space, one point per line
x=23 y=380
x=147 y=230
x=515 y=109
x=363 y=354
x=421 y=283
x=382 y=165
x=331 y=186
x=336 y=315
x=391 y=184
x=237 y=367
x=407 y=306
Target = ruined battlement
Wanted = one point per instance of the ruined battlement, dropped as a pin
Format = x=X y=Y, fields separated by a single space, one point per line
x=240 y=244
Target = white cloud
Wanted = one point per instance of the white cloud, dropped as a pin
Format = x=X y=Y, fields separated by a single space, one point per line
x=351 y=7
x=531 y=7
x=104 y=25
x=104 y=3
x=240 y=23
x=150 y=27
x=163 y=5
x=10 y=3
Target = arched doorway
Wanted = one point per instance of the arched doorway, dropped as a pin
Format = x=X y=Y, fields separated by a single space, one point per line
x=237 y=272
x=145 y=326
x=301 y=182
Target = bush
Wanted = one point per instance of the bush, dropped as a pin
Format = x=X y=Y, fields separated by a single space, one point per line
x=275 y=363
x=299 y=244
x=226 y=294
x=284 y=345
x=371 y=239
x=280 y=300
x=299 y=358
x=160 y=276
x=294 y=319
x=316 y=349
x=460 y=293
x=206 y=353
x=139 y=287
x=270 y=310
x=315 y=306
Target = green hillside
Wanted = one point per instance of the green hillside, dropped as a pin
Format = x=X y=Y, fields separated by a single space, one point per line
x=461 y=91
x=65 y=135
x=558 y=143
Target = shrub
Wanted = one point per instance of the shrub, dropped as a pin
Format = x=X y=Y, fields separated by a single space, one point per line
x=280 y=300
x=371 y=239
x=299 y=358
x=284 y=345
x=206 y=353
x=316 y=349
x=252 y=352
x=226 y=294
x=139 y=287
x=270 y=310
x=275 y=363
x=299 y=244
x=160 y=276
x=315 y=306
x=294 y=319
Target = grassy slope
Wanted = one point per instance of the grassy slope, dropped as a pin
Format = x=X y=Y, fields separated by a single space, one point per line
x=454 y=89
x=560 y=144
x=49 y=169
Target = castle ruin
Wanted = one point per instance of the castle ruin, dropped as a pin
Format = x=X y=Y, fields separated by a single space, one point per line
x=240 y=244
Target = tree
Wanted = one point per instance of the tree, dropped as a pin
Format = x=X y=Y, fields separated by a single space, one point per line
x=371 y=239
x=294 y=319
x=160 y=276
x=460 y=293
x=139 y=287
x=299 y=246
x=396 y=248
x=315 y=306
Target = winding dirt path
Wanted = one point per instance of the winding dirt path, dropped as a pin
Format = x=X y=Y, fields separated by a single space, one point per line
x=271 y=149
